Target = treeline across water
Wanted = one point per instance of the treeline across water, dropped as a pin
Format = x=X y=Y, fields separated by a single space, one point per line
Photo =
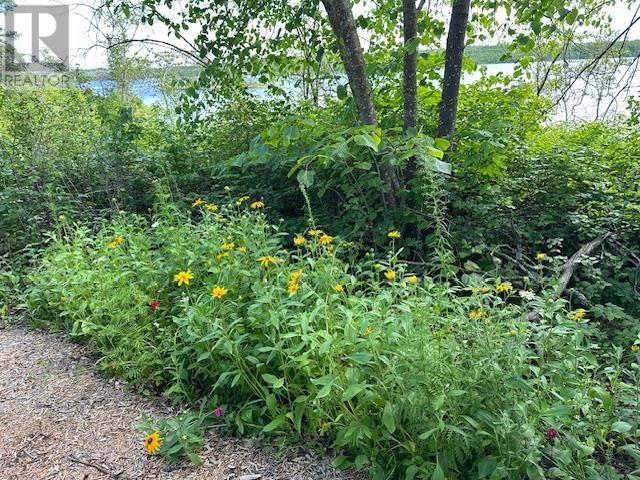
x=487 y=54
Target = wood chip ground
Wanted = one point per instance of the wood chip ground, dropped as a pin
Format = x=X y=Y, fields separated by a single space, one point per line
x=61 y=420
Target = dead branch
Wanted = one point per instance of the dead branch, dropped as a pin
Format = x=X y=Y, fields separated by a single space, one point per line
x=75 y=459
x=570 y=267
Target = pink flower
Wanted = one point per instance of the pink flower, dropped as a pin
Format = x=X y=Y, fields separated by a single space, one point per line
x=552 y=433
x=154 y=305
x=218 y=412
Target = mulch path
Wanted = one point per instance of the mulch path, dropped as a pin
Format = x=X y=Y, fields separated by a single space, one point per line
x=61 y=420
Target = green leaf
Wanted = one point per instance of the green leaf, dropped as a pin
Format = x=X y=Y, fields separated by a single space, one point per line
x=341 y=462
x=410 y=472
x=621 y=427
x=306 y=177
x=558 y=411
x=360 y=461
x=438 y=473
x=442 y=167
x=361 y=357
x=195 y=459
x=487 y=466
x=427 y=434
x=434 y=152
x=324 y=391
x=471 y=266
x=274 y=381
x=365 y=140
x=270 y=400
x=275 y=423
x=535 y=472
x=442 y=143
x=388 y=419
x=352 y=391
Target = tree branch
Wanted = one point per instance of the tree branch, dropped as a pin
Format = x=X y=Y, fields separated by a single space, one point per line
x=570 y=267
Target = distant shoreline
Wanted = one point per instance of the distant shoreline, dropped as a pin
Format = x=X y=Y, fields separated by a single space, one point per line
x=481 y=54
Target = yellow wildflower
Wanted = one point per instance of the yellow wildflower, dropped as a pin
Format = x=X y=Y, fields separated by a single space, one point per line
x=243 y=199
x=412 y=280
x=476 y=314
x=152 y=443
x=314 y=232
x=299 y=241
x=211 y=207
x=504 y=287
x=220 y=256
x=257 y=204
x=243 y=249
x=219 y=292
x=541 y=256
x=338 y=288
x=293 y=281
x=368 y=331
x=326 y=239
x=390 y=275
x=117 y=241
x=635 y=348
x=61 y=218
x=265 y=261
x=394 y=234
x=183 y=277
x=228 y=246
x=197 y=202
x=578 y=315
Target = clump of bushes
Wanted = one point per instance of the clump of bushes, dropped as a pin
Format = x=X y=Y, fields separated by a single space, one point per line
x=401 y=375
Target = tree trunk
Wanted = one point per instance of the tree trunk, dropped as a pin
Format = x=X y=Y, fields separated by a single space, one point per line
x=453 y=67
x=344 y=27
x=410 y=84
x=409 y=78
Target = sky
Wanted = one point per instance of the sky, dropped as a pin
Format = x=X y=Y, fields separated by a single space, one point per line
x=84 y=36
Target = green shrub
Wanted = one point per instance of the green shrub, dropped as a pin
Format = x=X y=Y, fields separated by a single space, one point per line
x=401 y=375
x=564 y=186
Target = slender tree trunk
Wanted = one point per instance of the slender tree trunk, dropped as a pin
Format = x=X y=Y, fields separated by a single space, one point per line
x=344 y=27
x=453 y=67
x=409 y=78
x=410 y=84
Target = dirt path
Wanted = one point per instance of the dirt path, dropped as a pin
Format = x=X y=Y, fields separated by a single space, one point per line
x=59 y=420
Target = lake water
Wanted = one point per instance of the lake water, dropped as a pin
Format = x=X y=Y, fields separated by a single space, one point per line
x=599 y=95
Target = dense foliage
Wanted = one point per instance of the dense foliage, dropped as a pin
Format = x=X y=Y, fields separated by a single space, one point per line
x=313 y=264
x=287 y=337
